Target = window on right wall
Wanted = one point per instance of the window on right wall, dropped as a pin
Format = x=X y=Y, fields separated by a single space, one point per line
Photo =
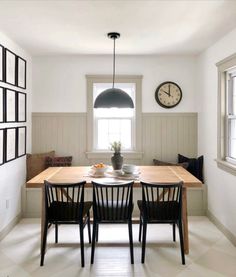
x=231 y=116
x=226 y=152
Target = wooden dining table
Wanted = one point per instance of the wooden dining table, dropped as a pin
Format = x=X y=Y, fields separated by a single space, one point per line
x=160 y=174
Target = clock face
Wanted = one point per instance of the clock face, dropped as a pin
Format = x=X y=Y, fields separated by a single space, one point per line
x=168 y=94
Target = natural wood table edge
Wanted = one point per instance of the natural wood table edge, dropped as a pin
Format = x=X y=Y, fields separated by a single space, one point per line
x=37 y=181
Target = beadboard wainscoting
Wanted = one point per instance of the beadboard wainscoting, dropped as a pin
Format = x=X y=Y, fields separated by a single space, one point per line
x=63 y=132
x=167 y=134
x=164 y=136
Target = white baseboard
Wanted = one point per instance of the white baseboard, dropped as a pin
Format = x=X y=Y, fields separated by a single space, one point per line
x=230 y=236
x=10 y=226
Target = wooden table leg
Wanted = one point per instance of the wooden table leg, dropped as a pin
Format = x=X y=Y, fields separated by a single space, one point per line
x=42 y=216
x=185 y=221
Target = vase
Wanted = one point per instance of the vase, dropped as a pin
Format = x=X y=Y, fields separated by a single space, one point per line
x=117 y=161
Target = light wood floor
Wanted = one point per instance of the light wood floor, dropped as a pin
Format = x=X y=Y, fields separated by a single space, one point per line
x=211 y=254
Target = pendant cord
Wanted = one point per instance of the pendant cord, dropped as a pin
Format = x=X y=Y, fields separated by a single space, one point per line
x=114 y=62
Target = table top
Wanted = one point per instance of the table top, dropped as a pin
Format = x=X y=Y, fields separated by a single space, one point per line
x=162 y=174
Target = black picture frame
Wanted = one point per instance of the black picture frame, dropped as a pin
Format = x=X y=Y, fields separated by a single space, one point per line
x=2 y=104
x=21 y=141
x=2 y=146
x=10 y=67
x=10 y=105
x=10 y=144
x=21 y=106
x=2 y=64
x=21 y=72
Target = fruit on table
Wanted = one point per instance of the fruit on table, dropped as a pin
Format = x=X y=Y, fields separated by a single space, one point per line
x=100 y=165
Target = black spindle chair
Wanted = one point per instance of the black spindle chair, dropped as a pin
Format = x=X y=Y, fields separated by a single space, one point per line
x=112 y=203
x=64 y=204
x=161 y=203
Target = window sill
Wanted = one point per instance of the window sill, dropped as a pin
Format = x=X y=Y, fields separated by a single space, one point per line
x=107 y=154
x=226 y=166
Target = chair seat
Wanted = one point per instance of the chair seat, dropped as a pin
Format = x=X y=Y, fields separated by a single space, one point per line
x=158 y=211
x=113 y=211
x=66 y=211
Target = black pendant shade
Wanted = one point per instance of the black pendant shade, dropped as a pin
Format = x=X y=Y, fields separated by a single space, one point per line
x=113 y=97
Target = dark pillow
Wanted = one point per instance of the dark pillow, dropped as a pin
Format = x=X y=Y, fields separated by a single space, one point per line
x=195 y=165
x=161 y=163
x=58 y=161
x=36 y=163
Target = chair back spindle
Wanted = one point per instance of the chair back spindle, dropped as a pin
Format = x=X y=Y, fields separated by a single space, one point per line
x=64 y=202
x=112 y=202
x=162 y=201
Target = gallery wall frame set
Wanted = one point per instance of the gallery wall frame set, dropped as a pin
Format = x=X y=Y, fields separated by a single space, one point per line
x=12 y=68
x=12 y=143
x=12 y=105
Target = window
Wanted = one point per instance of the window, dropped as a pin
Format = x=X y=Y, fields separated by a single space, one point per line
x=114 y=124
x=107 y=125
x=231 y=117
x=226 y=147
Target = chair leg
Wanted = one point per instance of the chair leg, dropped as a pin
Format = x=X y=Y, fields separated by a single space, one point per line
x=173 y=231
x=89 y=227
x=56 y=233
x=82 y=243
x=131 y=242
x=144 y=241
x=44 y=242
x=181 y=242
x=95 y=225
x=140 y=229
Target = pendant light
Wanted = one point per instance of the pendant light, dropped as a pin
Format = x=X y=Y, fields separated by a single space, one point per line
x=113 y=97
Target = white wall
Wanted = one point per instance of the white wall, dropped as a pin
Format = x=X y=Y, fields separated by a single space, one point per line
x=12 y=174
x=221 y=185
x=59 y=83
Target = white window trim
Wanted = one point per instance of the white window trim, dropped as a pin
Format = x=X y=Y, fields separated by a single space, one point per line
x=135 y=79
x=224 y=163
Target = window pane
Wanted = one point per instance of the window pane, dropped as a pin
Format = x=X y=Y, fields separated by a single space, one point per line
x=110 y=130
x=103 y=134
x=126 y=134
x=234 y=96
x=232 y=138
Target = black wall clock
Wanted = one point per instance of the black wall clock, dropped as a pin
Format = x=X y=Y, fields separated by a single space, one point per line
x=168 y=94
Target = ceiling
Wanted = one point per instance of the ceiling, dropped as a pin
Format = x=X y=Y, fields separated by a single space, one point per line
x=146 y=27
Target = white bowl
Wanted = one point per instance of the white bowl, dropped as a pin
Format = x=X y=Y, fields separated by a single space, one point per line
x=129 y=168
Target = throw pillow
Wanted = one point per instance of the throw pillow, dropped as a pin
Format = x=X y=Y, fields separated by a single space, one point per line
x=36 y=163
x=161 y=163
x=58 y=161
x=195 y=165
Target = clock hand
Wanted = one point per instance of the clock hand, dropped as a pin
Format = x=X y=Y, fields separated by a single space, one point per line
x=165 y=92
x=169 y=90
